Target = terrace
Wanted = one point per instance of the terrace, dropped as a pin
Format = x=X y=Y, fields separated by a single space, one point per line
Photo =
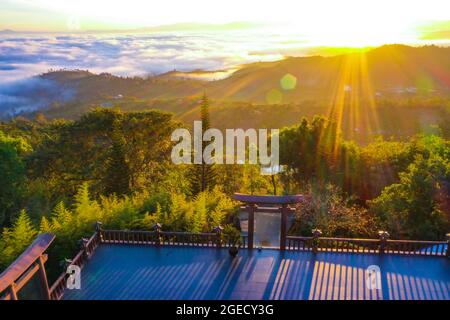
x=119 y=264
x=120 y=271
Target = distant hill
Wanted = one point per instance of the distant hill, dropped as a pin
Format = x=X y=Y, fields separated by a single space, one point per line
x=392 y=70
x=417 y=77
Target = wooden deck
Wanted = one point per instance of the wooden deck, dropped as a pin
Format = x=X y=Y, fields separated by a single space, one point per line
x=122 y=271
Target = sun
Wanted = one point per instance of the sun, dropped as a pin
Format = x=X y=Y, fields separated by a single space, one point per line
x=355 y=30
x=350 y=34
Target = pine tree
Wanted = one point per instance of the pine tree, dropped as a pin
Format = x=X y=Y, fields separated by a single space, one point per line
x=16 y=239
x=200 y=214
x=62 y=218
x=45 y=226
x=202 y=176
x=86 y=211
x=117 y=180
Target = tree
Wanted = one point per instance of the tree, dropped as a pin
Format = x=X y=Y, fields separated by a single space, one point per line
x=12 y=168
x=203 y=176
x=16 y=239
x=253 y=181
x=87 y=211
x=62 y=222
x=199 y=218
x=117 y=179
x=311 y=150
x=418 y=206
x=89 y=148
x=45 y=225
x=328 y=209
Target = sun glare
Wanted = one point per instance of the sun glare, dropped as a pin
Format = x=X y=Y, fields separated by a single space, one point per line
x=332 y=23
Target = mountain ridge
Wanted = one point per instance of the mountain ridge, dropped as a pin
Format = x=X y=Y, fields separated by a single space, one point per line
x=389 y=70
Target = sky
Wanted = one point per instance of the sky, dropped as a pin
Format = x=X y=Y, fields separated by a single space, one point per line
x=344 y=21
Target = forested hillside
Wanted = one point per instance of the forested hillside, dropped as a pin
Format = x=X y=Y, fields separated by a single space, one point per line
x=389 y=91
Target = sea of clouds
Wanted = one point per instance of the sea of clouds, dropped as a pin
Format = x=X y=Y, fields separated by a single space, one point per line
x=24 y=56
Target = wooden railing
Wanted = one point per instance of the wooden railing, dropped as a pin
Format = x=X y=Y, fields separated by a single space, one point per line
x=413 y=247
x=166 y=238
x=88 y=248
x=22 y=270
x=404 y=247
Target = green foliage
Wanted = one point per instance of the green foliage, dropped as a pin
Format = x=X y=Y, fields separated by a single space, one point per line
x=199 y=214
x=86 y=210
x=314 y=152
x=102 y=144
x=12 y=169
x=310 y=149
x=117 y=178
x=120 y=213
x=14 y=240
x=231 y=235
x=418 y=206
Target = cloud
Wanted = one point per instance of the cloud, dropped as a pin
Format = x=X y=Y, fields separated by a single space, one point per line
x=30 y=94
x=23 y=56
x=137 y=54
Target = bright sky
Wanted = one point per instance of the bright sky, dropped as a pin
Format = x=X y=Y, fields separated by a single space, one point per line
x=340 y=21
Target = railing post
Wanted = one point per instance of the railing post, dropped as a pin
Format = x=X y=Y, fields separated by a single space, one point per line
x=218 y=230
x=384 y=236
x=448 y=245
x=13 y=291
x=157 y=227
x=43 y=278
x=99 y=230
x=66 y=263
x=283 y=230
x=251 y=208
x=83 y=246
x=315 y=243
